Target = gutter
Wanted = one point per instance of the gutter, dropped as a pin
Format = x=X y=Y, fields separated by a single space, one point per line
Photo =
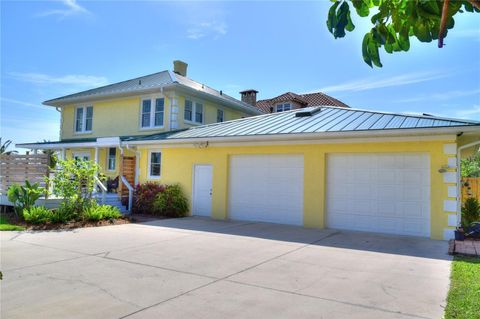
x=459 y=180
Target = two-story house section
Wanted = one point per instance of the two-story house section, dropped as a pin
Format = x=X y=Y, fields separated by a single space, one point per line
x=95 y=122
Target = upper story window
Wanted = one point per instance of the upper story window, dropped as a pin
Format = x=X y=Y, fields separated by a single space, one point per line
x=219 y=115
x=112 y=158
x=193 y=111
x=83 y=119
x=152 y=117
x=283 y=107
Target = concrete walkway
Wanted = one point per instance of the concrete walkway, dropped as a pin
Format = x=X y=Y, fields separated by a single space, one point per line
x=200 y=268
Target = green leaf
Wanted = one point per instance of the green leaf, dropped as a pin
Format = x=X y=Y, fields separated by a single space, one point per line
x=468 y=6
x=350 y=26
x=341 y=20
x=365 y=54
x=331 y=21
x=361 y=7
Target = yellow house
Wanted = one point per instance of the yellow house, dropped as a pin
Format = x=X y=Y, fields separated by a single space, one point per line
x=315 y=167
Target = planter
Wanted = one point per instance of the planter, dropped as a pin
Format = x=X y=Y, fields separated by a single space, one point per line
x=459 y=235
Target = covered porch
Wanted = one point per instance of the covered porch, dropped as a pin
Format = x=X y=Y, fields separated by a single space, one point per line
x=119 y=164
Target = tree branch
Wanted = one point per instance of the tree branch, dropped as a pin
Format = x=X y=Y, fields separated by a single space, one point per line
x=443 y=23
x=475 y=3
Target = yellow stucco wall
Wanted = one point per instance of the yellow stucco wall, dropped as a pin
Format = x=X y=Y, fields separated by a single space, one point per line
x=177 y=167
x=121 y=117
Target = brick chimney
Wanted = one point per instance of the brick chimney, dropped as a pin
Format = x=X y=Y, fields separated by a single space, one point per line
x=249 y=96
x=180 y=67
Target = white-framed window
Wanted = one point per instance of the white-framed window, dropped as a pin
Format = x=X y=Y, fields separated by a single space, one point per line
x=283 y=107
x=81 y=156
x=112 y=158
x=219 y=115
x=193 y=111
x=154 y=164
x=152 y=117
x=83 y=119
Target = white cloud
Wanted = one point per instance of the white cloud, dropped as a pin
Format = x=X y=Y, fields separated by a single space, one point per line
x=23 y=103
x=376 y=83
x=440 y=96
x=71 y=8
x=200 y=30
x=471 y=112
x=70 y=79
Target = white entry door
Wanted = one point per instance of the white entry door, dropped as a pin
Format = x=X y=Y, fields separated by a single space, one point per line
x=202 y=190
x=381 y=192
x=266 y=188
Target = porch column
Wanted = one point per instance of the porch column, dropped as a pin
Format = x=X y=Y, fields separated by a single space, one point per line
x=96 y=155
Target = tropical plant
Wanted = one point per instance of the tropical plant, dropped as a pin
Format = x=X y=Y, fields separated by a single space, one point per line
x=74 y=181
x=144 y=196
x=470 y=211
x=396 y=21
x=37 y=215
x=172 y=202
x=64 y=213
x=24 y=197
x=4 y=146
x=99 y=212
x=470 y=167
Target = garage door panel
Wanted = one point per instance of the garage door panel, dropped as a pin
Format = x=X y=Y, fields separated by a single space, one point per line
x=379 y=192
x=266 y=188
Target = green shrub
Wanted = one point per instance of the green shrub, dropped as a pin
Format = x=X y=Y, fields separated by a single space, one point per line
x=64 y=214
x=171 y=202
x=470 y=211
x=24 y=197
x=37 y=215
x=99 y=212
x=144 y=198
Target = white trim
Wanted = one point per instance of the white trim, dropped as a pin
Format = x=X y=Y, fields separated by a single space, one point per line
x=452 y=191
x=313 y=138
x=108 y=159
x=452 y=220
x=448 y=234
x=149 y=163
x=450 y=149
x=153 y=100
x=194 y=110
x=450 y=205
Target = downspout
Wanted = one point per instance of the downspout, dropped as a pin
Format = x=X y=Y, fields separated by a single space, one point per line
x=459 y=180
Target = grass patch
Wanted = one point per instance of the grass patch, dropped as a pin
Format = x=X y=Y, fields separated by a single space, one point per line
x=6 y=226
x=463 y=301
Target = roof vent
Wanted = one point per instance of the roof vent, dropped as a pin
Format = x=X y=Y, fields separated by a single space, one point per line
x=308 y=113
x=426 y=114
x=139 y=82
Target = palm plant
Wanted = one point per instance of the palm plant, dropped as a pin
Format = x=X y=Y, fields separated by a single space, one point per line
x=4 y=146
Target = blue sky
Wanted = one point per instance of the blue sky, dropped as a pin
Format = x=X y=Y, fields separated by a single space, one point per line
x=53 y=48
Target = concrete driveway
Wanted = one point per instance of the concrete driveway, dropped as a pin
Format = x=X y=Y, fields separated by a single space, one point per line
x=200 y=268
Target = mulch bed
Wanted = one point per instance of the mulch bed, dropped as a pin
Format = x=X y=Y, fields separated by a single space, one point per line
x=467 y=247
x=73 y=225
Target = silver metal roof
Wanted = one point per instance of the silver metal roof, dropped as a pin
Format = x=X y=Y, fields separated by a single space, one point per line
x=328 y=119
x=151 y=82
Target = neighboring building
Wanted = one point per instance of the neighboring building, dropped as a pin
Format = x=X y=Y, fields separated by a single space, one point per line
x=289 y=101
x=318 y=167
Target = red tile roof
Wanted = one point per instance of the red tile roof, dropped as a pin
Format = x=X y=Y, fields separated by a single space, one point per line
x=309 y=99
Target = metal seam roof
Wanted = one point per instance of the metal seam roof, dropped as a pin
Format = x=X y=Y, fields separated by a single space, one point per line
x=329 y=119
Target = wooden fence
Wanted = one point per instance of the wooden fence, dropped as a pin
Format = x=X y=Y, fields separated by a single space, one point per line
x=470 y=187
x=16 y=169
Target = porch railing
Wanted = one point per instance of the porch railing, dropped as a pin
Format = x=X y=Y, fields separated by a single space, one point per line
x=130 y=192
x=102 y=188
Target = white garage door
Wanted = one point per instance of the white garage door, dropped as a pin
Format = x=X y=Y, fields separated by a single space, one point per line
x=388 y=193
x=267 y=188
